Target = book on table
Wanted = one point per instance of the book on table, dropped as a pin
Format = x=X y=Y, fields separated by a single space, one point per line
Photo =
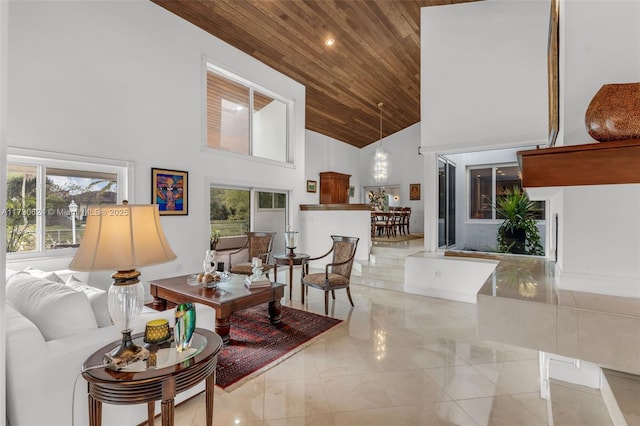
x=252 y=282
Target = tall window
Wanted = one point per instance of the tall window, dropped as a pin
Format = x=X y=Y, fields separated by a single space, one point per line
x=244 y=119
x=487 y=183
x=47 y=200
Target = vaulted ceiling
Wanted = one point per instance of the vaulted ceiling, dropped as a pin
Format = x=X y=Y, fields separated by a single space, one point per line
x=375 y=57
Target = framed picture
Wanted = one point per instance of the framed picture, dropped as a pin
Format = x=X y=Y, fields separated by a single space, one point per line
x=312 y=186
x=414 y=191
x=352 y=191
x=169 y=190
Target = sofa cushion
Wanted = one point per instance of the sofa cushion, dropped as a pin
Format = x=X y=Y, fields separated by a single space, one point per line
x=98 y=299
x=56 y=309
x=47 y=275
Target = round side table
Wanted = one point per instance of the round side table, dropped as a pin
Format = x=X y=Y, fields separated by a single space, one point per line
x=286 y=259
x=137 y=383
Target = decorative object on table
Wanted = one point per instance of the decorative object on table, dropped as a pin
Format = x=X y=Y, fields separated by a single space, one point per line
x=214 y=238
x=258 y=244
x=123 y=237
x=209 y=263
x=312 y=186
x=169 y=190
x=414 y=191
x=185 y=325
x=381 y=162
x=157 y=331
x=256 y=345
x=378 y=199
x=614 y=113
x=256 y=279
x=291 y=240
x=337 y=274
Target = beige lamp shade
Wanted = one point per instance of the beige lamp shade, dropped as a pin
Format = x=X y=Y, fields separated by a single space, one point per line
x=122 y=237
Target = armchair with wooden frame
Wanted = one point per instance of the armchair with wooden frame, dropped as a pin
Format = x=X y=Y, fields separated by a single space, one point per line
x=258 y=244
x=336 y=275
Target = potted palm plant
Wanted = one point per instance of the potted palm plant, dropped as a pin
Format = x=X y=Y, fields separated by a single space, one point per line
x=518 y=233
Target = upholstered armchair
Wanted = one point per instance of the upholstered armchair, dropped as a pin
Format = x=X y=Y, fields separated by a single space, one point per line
x=337 y=274
x=258 y=244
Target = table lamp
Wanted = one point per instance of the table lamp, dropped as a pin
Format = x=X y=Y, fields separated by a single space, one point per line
x=123 y=237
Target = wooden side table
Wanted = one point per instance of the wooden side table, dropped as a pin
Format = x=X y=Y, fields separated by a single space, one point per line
x=286 y=259
x=137 y=384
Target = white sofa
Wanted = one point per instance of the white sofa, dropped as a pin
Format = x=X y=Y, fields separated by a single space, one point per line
x=54 y=322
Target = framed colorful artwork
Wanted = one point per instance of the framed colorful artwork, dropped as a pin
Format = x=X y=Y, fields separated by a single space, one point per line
x=169 y=190
x=414 y=191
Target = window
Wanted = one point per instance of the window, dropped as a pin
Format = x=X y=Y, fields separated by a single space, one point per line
x=244 y=119
x=230 y=211
x=272 y=200
x=47 y=200
x=489 y=182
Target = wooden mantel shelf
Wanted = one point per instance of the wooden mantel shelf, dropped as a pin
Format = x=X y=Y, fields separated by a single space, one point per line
x=603 y=163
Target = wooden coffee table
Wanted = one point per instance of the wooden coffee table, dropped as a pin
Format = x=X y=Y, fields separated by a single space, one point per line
x=229 y=297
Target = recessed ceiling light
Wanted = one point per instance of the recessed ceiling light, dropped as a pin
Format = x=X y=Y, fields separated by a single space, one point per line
x=330 y=42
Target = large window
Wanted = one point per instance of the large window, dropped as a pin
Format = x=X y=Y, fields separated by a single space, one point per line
x=245 y=119
x=47 y=200
x=487 y=183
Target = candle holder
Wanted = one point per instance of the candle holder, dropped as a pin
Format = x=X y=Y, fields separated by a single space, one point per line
x=291 y=241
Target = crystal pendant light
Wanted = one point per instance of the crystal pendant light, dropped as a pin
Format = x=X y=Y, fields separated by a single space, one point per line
x=381 y=164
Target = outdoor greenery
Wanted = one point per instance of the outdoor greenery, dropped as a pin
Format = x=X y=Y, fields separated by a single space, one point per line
x=230 y=211
x=21 y=213
x=518 y=233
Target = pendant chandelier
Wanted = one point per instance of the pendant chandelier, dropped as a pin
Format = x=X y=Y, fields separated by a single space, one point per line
x=381 y=164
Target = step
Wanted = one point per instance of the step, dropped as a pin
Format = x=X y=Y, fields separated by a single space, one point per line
x=375 y=271
x=621 y=394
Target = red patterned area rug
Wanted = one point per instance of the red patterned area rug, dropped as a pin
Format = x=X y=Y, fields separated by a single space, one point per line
x=257 y=345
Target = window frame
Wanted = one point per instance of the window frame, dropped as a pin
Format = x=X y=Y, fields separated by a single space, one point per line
x=208 y=65
x=41 y=160
x=493 y=167
x=273 y=200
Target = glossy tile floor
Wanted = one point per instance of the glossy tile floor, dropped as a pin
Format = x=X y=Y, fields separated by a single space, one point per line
x=397 y=359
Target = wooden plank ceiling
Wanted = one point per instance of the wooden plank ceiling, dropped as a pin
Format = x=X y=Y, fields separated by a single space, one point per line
x=375 y=58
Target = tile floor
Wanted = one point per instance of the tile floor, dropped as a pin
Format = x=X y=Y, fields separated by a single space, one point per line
x=397 y=359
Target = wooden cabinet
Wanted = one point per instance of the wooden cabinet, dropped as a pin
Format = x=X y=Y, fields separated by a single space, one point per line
x=334 y=188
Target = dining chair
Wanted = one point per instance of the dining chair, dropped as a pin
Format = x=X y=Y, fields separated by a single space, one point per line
x=384 y=223
x=406 y=219
x=336 y=275
x=258 y=244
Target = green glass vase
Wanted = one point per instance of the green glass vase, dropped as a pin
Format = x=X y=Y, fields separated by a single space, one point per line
x=185 y=326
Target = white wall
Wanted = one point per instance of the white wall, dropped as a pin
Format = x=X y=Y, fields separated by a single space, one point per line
x=483 y=83
x=325 y=154
x=124 y=80
x=406 y=168
x=599 y=226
